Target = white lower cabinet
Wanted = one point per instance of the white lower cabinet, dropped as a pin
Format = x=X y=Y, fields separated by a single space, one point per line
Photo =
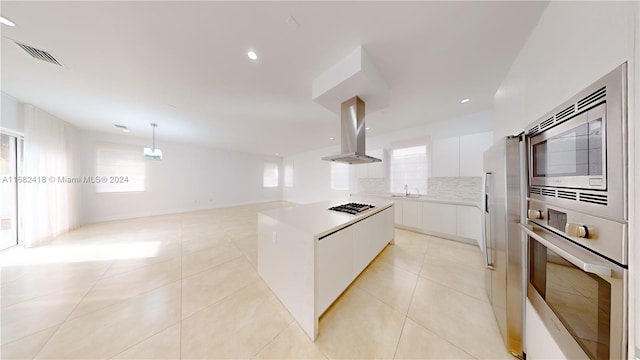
x=412 y=214
x=397 y=208
x=343 y=255
x=460 y=221
x=469 y=223
x=439 y=218
x=371 y=236
x=335 y=265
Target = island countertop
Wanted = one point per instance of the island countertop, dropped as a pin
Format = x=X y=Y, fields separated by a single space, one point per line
x=308 y=255
x=316 y=218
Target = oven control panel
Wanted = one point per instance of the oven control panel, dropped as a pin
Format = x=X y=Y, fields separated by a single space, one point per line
x=535 y=214
x=557 y=219
x=603 y=236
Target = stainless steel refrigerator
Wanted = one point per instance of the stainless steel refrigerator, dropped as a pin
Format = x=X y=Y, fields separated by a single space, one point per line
x=502 y=243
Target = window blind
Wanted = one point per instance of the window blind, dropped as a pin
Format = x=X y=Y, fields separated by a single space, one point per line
x=270 y=175
x=409 y=167
x=288 y=174
x=119 y=168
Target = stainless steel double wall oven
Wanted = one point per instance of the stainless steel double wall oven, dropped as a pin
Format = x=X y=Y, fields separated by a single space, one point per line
x=577 y=220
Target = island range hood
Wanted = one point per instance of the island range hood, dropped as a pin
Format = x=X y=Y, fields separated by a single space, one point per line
x=353 y=134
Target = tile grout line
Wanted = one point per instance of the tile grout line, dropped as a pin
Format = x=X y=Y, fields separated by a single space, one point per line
x=415 y=286
x=122 y=300
x=141 y=341
x=51 y=293
x=424 y=278
x=209 y=268
x=65 y=320
x=273 y=338
x=221 y=299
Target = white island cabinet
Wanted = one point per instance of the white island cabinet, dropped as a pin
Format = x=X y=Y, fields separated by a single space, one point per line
x=308 y=255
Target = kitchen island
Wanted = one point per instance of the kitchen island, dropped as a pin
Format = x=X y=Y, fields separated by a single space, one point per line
x=308 y=255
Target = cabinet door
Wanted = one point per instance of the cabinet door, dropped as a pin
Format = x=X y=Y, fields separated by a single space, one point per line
x=439 y=217
x=412 y=214
x=471 y=149
x=397 y=208
x=371 y=236
x=445 y=157
x=334 y=256
x=469 y=223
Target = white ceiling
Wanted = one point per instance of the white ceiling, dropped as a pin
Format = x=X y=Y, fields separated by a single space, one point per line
x=183 y=65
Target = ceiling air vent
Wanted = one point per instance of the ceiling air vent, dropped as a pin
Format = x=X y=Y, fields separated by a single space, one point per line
x=592 y=98
x=39 y=54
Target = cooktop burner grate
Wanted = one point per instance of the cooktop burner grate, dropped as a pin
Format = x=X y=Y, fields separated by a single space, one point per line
x=352 y=208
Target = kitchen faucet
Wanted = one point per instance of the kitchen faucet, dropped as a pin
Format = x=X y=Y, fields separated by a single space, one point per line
x=406 y=190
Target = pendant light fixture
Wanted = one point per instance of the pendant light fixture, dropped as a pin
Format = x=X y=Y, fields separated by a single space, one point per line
x=153 y=153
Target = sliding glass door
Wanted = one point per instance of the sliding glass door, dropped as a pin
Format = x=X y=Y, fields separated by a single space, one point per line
x=9 y=191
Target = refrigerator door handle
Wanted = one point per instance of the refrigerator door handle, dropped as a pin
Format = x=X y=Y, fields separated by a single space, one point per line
x=485 y=210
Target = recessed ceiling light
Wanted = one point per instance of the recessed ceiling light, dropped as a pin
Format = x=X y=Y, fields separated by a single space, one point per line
x=464 y=101
x=367 y=128
x=252 y=55
x=277 y=154
x=331 y=138
x=6 y=21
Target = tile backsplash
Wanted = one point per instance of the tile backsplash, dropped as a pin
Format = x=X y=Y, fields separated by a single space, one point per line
x=468 y=188
x=374 y=186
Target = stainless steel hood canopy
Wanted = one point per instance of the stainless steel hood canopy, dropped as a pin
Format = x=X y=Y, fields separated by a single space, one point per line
x=353 y=134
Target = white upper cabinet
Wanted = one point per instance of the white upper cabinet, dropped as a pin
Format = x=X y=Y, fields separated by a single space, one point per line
x=471 y=149
x=445 y=155
x=459 y=155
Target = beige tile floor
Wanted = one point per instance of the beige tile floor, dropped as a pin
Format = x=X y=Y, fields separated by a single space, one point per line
x=186 y=286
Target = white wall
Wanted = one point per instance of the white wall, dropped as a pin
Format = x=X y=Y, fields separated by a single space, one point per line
x=312 y=175
x=11 y=119
x=188 y=178
x=573 y=45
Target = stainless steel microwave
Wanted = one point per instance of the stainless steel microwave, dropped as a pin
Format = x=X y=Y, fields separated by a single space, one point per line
x=578 y=153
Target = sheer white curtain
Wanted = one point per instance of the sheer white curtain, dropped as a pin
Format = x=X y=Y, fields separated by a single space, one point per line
x=49 y=206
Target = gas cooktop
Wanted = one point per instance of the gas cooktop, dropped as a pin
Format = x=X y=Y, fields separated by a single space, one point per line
x=352 y=208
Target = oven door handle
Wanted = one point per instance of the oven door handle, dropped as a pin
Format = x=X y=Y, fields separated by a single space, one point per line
x=585 y=266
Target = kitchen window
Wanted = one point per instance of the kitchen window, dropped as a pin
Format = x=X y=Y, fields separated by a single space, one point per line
x=270 y=175
x=339 y=176
x=409 y=167
x=288 y=173
x=119 y=168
